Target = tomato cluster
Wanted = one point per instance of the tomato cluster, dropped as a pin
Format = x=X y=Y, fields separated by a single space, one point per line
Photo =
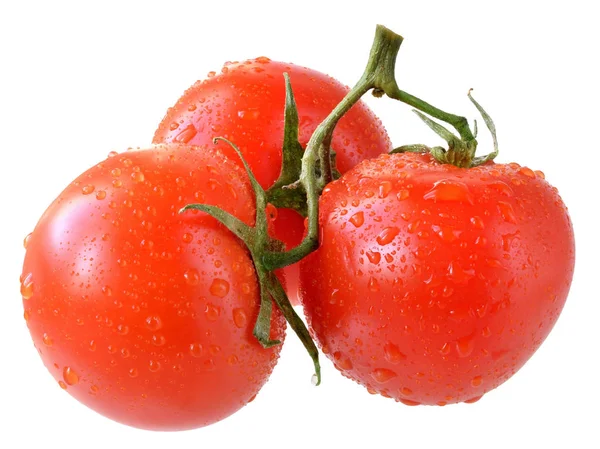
x=431 y=284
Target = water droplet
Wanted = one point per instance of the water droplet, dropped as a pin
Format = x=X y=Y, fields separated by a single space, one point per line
x=107 y=291
x=393 y=354
x=373 y=256
x=507 y=212
x=122 y=329
x=477 y=222
x=342 y=361
x=92 y=346
x=239 y=318
x=502 y=188
x=187 y=238
x=262 y=60
x=153 y=322
x=154 y=366
x=387 y=235
x=458 y=275
x=219 y=288
x=137 y=176
x=527 y=172
x=196 y=350
x=409 y=402
x=476 y=381
x=191 y=276
x=212 y=312
x=100 y=195
x=186 y=135
x=70 y=376
x=249 y=114
x=62 y=385
x=465 y=346
x=47 y=340
x=406 y=391
x=87 y=189
x=449 y=190
x=383 y=375
x=27 y=286
x=26 y=240
x=357 y=219
x=445 y=349
x=133 y=372
x=403 y=194
x=473 y=400
x=540 y=174
x=384 y=189
x=373 y=284
x=158 y=340
x=486 y=332
x=173 y=126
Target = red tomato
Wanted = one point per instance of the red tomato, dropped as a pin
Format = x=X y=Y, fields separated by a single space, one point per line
x=141 y=313
x=435 y=284
x=245 y=104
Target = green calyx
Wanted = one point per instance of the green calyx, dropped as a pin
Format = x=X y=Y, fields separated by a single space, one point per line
x=461 y=150
x=306 y=172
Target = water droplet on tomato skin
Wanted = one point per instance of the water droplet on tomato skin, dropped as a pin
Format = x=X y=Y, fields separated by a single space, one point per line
x=133 y=372
x=187 y=134
x=154 y=366
x=357 y=219
x=473 y=400
x=387 y=235
x=87 y=189
x=212 y=312
x=47 y=340
x=403 y=194
x=393 y=354
x=27 y=286
x=70 y=376
x=507 y=212
x=383 y=375
x=476 y=381
x=527 y=172
x=196 y=350
x=62 y=385
x=219 y=288
x=342 y=362
x=26 y=240
x=153 y=322
x=409 y=402
x=191 y=276
x=449 y=190
x=465 y=346
x=239 y=318
x=158 y=340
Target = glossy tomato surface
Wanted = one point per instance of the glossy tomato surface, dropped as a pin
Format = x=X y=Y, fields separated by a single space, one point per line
x=141 y=313
x=245 y=103
x=435 y=284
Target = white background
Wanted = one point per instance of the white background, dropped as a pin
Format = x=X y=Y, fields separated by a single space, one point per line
x=81 y=79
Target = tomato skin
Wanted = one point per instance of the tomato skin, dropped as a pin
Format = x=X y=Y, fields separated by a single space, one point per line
x=141 y=313
x=245 y=104
x=434 y=284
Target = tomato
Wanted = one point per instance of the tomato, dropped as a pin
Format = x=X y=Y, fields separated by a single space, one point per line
x=141 y=313
x=245 y=104
x=434 y=284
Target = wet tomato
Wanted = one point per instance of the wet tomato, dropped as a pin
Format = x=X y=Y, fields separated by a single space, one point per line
x=435 y=284
x=141 y=313
x=245 y=104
